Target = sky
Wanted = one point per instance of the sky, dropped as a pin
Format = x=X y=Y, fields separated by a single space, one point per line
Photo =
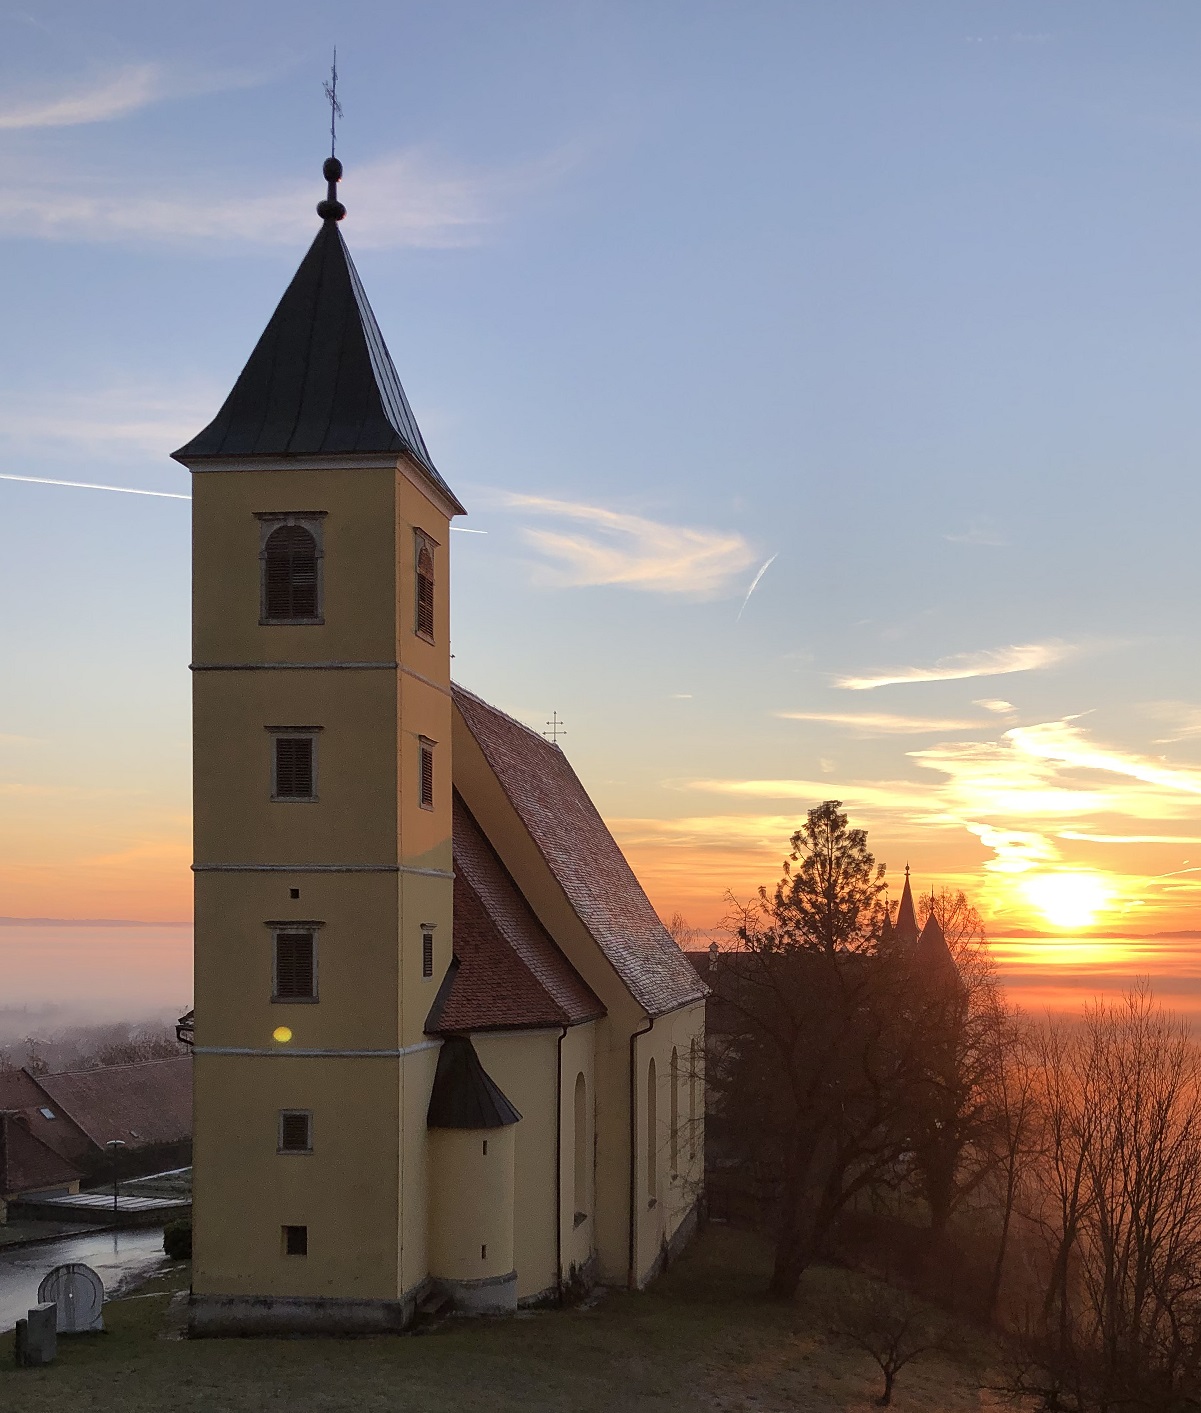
x=821 y=378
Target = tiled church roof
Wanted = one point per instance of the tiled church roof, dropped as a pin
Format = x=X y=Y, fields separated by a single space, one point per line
x=508 y=972
x=583 y=856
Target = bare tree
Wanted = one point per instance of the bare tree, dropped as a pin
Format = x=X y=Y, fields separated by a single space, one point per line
x=1120 y=1209
x=892 y=1327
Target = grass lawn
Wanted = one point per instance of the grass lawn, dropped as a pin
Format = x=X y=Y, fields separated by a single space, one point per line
x=701 y=1338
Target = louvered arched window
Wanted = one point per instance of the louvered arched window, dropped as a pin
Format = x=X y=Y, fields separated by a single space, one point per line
x=423 y=553
x=290 y=575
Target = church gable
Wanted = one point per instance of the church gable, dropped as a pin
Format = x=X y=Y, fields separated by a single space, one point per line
x=584 y=858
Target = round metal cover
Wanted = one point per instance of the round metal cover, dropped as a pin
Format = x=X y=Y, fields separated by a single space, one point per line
x=79 y=1294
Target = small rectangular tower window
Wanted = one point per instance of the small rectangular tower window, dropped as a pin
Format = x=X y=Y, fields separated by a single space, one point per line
x=427 y=952
x=295 y=965
x=295 y=1131
x=296 y=1241
x=294 y=763
x=423 y=565
x=427 y=773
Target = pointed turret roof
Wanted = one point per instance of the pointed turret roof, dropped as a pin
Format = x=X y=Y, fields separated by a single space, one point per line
x=320 y=381
x=464 y=1094
x=906 y=930
x=932 y=954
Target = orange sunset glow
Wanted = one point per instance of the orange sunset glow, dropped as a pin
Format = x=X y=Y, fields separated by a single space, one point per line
x=847 y=487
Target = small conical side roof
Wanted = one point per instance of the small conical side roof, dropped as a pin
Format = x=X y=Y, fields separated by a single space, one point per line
x=932 y=951
x=906 y=929
x=320 y=381
x=465 y=1095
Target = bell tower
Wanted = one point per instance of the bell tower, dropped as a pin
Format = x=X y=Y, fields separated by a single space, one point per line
x=322 y=836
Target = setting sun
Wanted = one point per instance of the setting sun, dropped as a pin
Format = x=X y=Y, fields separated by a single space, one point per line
x=1067 y=899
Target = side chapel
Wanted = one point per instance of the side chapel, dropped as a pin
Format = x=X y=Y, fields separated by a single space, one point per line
x=443 y=1046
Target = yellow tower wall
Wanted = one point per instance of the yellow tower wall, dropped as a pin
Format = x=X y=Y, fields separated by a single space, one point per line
x=371 y=867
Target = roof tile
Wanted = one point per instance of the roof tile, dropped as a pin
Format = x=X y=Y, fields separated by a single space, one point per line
x=584 y=858
x=150 y=1102
x=509 y=973
x=26 y=1163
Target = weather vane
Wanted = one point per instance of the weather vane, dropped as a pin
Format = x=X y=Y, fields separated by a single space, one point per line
x=557 y=729
x=335 y=108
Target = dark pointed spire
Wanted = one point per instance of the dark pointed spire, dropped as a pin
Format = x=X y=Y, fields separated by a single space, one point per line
x=906 y=926
x=320 y=381
x=932 y=954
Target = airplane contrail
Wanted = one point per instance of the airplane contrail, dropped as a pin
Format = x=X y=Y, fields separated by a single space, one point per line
x=137 y=491
x=755 y=581
x=92 y=486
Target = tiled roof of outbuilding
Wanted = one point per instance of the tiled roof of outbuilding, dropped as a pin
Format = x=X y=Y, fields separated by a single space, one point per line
x=583 y=856
x=509 y=974
x=26 y=1163
x=150 y=1102
x=19 y=1091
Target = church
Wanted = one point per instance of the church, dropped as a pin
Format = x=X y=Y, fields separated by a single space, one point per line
x=444 y=1049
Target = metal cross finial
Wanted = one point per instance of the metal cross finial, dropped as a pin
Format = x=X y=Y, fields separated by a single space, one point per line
x=335 y=108
x=557 y=729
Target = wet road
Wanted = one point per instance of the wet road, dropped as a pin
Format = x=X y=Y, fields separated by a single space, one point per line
x=115 y=1256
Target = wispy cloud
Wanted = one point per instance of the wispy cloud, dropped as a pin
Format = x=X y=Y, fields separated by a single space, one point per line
x=1181 y=719
x=978 y=532
x=115 y=422
x=103 y=98
x=613 y=547
x=866 y=723
x=993 y=662
x=882 y=797
x=409 y=198
x=1068 y=745
x=995 y=704
x=1130 y=838
x=1019 y=795
x=99 y=101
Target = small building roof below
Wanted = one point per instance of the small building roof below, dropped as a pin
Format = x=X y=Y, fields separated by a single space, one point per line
x=26 y=1163
x=150 y=1102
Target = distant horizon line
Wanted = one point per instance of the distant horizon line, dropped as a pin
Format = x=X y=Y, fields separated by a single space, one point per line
x=93 y=922
x=1015 y=931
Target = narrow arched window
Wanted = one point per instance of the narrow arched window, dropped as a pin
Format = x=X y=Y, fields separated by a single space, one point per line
x=581 y=1149
x=652 y=1134
x=290 y=575
x=692 y=1115
x=674 y=1103
x=423 y=552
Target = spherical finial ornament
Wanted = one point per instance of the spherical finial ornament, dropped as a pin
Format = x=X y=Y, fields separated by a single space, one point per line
x=331 y=209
